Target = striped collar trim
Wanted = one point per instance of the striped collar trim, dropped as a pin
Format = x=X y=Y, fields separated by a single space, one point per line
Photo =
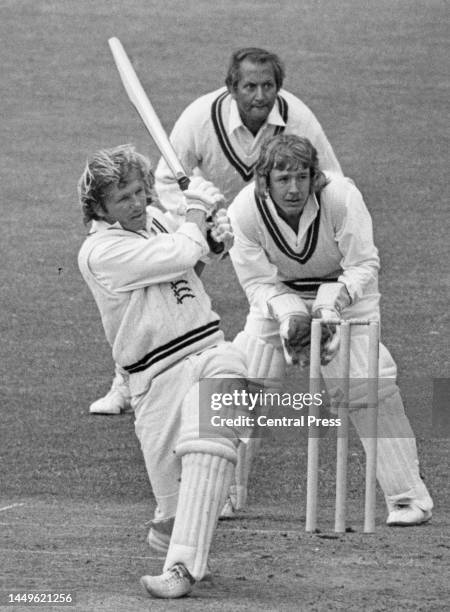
x=174 y=346
x=277 y=236
x=246 y=171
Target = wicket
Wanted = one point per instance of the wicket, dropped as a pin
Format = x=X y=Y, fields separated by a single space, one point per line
x=342 y=438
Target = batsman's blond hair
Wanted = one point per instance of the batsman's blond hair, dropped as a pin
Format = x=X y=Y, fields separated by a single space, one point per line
x=109 y=167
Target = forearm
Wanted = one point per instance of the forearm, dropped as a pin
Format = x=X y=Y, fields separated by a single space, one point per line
x=357 y=278
x=198 y=217
x=360 y=262
x=257 y=277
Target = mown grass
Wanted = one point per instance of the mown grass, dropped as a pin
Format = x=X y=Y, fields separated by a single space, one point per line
x=374 y=75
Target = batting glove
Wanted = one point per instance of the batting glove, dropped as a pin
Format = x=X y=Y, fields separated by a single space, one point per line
x=202 y=195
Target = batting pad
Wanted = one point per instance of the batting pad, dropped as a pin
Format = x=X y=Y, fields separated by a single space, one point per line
x=264 y=360
x=245 y=456
x=205 y=480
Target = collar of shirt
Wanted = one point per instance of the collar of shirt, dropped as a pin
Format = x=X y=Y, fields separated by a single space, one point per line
x=309 y=213
x=235 y=124
x=99 y=225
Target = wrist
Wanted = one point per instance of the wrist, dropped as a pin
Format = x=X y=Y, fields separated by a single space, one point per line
x=199 y=218
x=327 y=314
x=331 y=297
x=285 y=305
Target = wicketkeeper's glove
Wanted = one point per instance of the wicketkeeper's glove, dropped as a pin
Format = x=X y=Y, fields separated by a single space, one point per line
x=331 y=299
x=295 y=338
x=293 y=316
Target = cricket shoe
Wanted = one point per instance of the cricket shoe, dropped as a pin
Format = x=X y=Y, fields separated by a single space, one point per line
x=117 y=400
x=175 y=582
x=405 y=515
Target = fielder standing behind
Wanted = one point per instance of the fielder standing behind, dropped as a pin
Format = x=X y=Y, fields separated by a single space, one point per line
x=304 y=248
x=220 y=136
x=163 y=333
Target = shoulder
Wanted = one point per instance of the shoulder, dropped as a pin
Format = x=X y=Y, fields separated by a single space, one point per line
x=201 y=105
x=83 y=252
x=339 y=187
x=97 y=240
x=105 y=241
x=297 y=108
x=340 y=196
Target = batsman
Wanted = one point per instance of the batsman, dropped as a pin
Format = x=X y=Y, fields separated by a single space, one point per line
x=158 y=320
x=304 y=248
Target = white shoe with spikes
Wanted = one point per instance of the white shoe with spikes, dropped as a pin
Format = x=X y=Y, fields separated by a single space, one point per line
x=175 y=582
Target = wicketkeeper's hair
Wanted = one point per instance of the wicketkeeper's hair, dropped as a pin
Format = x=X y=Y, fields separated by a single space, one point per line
x=258 y=56
x=288 y=152
x=109 y=167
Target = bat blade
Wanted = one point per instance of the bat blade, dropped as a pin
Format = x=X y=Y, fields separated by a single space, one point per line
x=142 y=104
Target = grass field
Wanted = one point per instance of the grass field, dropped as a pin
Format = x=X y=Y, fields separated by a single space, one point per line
x=75 y=501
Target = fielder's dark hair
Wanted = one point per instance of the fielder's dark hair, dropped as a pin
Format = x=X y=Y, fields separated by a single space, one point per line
x=258 y=56
x=288 y=152
x=109 y=167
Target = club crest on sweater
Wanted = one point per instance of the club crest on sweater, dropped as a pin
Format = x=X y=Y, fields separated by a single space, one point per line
x=181 y=290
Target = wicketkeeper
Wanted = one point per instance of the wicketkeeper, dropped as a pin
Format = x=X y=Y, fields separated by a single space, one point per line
x=164 y=334
x=304 y=248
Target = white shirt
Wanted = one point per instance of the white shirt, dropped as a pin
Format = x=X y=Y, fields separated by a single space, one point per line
x=240 y=134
